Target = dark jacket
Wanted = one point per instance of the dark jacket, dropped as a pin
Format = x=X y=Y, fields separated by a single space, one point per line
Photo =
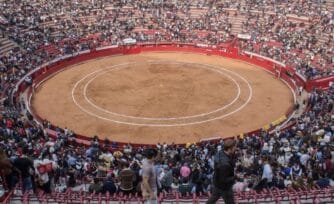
x=24 y=165
x=223 y=177
x=109 y=186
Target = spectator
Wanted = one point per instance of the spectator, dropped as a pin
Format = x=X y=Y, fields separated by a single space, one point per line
x=185 y=187
x=175 y=185
x=223 y=178
x=25 y=165
x=185 y=171
x=95 y=186
x=109 y=186
x=167 y=179
x=7 y=170
x=267 y=174
x=197 y=180
x=149 y=186
x=126 y=178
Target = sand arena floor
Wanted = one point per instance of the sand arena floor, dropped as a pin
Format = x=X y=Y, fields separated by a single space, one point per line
x=162 y=97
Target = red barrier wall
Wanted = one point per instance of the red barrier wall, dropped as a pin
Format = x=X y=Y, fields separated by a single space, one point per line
x=233 y=53
x=319 y=83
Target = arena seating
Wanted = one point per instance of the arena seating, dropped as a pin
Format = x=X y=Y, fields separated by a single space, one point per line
x=273 y=196
x=297 y=33
x=231 y=19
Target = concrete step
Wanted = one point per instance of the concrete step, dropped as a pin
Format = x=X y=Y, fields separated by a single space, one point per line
x=5 y=50
x=6 y=45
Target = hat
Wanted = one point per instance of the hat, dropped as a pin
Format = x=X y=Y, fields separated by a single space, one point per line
x=118 y=154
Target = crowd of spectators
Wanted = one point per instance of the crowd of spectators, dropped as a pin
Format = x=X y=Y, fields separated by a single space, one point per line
x=45 y=30
x=305 y=44
x=302 y=155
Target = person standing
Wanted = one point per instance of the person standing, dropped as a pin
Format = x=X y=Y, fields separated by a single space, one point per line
x=25 y=165
x=267 y=173
x=149 y=184
x=223 y=177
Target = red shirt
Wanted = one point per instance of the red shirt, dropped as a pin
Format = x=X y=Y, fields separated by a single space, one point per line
x=9 y=123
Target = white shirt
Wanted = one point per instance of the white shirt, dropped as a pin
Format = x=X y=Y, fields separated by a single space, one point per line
x=267 y=173
x=304 y=158
x=287 y=183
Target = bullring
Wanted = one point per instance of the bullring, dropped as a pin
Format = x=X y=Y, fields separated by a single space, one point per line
x=221 y=90
x=287 y=157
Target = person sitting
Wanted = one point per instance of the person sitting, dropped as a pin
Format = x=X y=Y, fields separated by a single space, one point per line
x=175 y=185
x=95 y=186
x=167 y=179
x=109 y=185
x=126 y=177
x=322 y=182
x=185 y=187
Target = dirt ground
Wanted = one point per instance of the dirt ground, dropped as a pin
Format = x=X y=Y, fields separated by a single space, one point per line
x=162 y=97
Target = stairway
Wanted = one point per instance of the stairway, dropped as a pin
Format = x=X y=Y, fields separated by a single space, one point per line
x=6 y=45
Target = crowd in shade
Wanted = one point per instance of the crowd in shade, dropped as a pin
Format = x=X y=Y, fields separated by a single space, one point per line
x=298 y=34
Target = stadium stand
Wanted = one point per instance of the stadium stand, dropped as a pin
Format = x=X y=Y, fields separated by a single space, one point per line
x=297 y=33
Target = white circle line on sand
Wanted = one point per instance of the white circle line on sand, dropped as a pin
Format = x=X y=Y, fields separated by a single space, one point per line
x=166 y=118
x=162 y=125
